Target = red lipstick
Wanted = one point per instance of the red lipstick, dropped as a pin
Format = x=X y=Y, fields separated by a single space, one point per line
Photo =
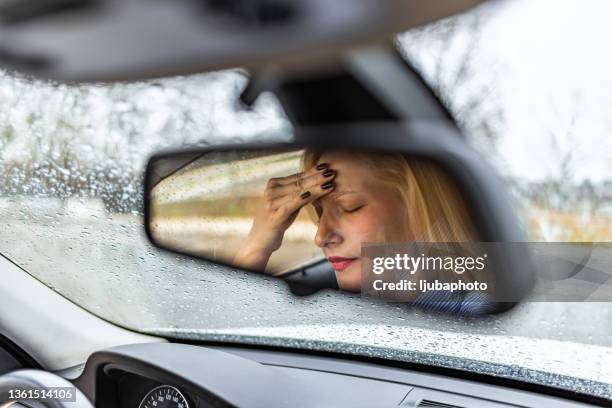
x=339 y=263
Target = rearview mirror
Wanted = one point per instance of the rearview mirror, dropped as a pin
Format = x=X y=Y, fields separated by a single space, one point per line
x=324 y=216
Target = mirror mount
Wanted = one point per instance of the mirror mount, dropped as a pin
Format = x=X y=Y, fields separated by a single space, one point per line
x=367 y=84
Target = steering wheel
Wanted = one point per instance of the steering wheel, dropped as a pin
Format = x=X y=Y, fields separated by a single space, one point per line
x=22 y=381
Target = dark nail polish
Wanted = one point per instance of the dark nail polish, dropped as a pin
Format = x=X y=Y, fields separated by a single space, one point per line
x=305 y=195
x=328 y=185
x=328 y=173
x=322 y=166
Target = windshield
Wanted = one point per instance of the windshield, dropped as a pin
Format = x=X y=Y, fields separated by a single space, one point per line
x=534 y=102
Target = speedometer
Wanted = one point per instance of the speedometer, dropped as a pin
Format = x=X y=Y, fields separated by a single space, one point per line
x=164 y=396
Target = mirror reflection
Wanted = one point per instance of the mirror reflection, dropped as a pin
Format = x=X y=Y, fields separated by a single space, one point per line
x=280 y=211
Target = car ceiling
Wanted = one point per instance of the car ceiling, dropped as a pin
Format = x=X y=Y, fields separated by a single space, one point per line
x=122 y=40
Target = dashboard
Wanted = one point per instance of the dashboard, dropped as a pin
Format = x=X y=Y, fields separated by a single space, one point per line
x=127 y=390
x=170 y=375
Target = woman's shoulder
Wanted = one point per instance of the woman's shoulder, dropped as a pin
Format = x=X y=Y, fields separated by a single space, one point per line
x=458 y=302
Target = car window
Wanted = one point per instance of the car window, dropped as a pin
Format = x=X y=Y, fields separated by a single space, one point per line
x=532 y=101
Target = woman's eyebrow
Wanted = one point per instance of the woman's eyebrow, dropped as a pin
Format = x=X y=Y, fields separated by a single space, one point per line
x=338 y=193
x=334 y=195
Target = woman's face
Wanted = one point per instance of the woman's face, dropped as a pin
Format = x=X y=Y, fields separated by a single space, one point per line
x=361 y=209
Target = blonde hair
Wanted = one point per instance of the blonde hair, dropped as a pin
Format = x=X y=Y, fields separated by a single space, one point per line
x=436 y=211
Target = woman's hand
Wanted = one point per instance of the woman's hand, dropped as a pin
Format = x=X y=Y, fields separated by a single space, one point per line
x=282 y=200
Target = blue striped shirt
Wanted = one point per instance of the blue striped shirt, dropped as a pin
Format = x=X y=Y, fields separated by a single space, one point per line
x=463 y=303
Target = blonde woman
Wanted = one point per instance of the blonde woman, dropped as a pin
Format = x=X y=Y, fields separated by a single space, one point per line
x=358 y=198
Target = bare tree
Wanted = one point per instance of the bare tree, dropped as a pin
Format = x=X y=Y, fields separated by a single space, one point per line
x=448 y=54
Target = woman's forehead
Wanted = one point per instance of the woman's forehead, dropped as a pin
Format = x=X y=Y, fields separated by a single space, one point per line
x=354 y=174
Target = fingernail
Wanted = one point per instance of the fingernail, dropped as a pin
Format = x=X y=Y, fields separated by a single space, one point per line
x=328 y=185
x=322 y=166
x=305 y=195
x=328 y=173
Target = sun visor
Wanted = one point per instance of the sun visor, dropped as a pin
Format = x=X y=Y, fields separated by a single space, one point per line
x=125 y=40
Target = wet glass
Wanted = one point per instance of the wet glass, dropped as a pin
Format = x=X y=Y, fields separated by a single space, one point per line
x=71 y=200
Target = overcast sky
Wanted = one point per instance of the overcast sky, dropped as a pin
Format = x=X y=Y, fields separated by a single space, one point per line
x=557 y=70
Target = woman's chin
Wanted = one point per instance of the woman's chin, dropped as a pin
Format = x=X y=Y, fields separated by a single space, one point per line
x=349 y=279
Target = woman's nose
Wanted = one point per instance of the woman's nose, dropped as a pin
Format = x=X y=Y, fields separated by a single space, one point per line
x=327 y=233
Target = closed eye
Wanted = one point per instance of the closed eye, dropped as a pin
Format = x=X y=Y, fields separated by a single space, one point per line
x=354 y=209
